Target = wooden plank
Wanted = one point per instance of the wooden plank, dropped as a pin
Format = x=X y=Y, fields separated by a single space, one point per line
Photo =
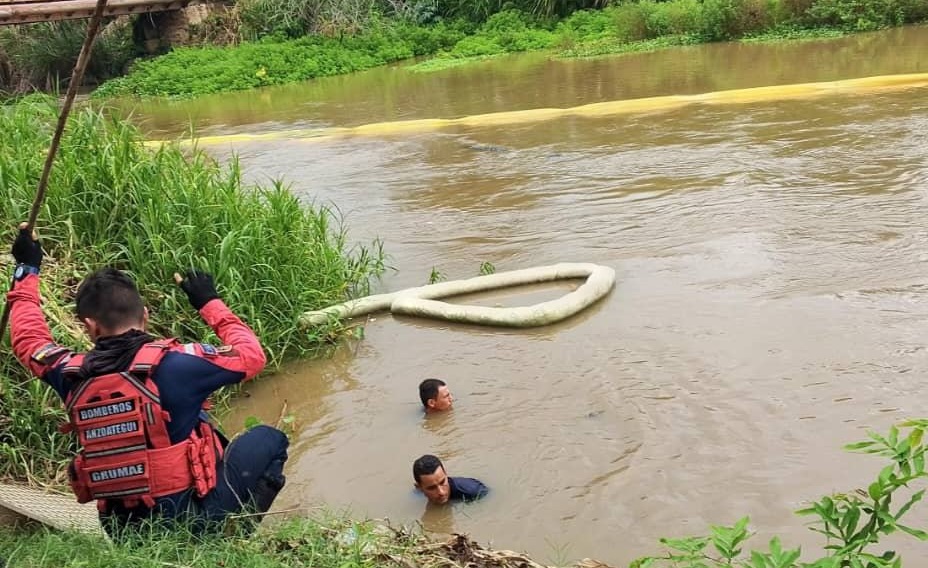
x=30 y=12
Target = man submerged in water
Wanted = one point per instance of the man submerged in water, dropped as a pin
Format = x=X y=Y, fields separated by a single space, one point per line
x=435 y=396
x=439 y=488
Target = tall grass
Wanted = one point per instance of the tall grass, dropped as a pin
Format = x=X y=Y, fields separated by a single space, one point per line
x=112 y=201
x=322 y=542
x=42 y=55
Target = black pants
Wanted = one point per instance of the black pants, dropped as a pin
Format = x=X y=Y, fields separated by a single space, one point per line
x=247 y=480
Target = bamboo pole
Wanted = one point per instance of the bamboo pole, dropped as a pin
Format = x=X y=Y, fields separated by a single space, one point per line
x=77 y=75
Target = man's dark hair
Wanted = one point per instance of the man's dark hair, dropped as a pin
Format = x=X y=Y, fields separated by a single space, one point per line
x=426 y=465
x=428 y=389
x=110 y=298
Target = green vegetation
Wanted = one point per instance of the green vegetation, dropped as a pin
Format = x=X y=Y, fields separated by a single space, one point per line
x=41 y=56
x=193 y=71
x=112 y=201
x=481 y=32
x=284 y=41
x=321 y=543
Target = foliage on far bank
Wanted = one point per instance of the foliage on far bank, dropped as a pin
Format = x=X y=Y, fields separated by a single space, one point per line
x=642 y=25
x=113 y=201
x=211 y=69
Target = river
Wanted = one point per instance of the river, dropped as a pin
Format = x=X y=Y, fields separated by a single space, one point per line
x=770 y=304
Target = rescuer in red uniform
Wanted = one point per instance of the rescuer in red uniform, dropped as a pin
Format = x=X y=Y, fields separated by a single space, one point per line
x=135 y=402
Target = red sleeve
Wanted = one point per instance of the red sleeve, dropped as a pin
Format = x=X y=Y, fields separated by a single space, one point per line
x=32 y=341
x=242 y=350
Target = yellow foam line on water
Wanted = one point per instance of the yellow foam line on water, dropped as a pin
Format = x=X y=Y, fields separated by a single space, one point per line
x=611 y=108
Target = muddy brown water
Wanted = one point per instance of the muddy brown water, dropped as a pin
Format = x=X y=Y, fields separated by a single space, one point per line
x=770 y=304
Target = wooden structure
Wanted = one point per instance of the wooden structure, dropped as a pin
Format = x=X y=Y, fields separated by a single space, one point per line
x=31 y=11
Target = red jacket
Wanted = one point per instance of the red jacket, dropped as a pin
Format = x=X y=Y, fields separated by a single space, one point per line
x=186 y=376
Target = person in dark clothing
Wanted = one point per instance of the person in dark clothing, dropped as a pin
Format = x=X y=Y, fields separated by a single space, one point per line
x=439 y=488
x=435 y=396
x=136 y=402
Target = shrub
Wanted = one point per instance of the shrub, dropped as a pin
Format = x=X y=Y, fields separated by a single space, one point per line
x=631 y=21
x=207 y=69
x=720 y=20
x=862 y=15
x=673 y=18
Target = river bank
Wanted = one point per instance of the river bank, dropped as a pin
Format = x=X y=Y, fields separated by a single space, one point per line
x=264 y=48
x=644 y=25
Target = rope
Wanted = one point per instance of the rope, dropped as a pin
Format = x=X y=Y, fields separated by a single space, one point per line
x=77 y=76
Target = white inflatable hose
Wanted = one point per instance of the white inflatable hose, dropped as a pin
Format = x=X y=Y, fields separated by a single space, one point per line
x=421 y=301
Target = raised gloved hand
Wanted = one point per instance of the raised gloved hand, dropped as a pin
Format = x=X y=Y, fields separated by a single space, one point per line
x=198 y=286
x=26 y=248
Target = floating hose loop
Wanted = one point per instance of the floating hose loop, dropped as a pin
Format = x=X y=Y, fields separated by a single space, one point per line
x=422 y=301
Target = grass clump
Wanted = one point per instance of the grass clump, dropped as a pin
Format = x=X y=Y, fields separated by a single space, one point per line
x=42 y=55
x=323 y=542
x=113 y=201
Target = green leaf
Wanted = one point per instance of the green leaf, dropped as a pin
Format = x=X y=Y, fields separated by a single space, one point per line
x=886 y=474
x=918 y=463
x=851 y=517
x=908 y=505
x=915 y=437
x=917 y=533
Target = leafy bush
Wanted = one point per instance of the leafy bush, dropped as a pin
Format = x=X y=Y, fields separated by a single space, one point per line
x=631 y=21
x=720 y=20
x=672 y=18
x=863 y=15
x=208 y=69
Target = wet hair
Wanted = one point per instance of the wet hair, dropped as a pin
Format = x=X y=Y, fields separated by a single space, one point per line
x=110 y=298
x=425 y=465
x=428 y=389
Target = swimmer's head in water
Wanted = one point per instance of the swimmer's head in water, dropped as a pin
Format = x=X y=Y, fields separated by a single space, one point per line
x=435 y=395
x=431 y=479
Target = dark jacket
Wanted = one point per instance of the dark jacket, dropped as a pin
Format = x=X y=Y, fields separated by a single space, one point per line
x=466 y=488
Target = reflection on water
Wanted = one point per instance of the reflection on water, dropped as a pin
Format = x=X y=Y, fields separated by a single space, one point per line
x=770 y=304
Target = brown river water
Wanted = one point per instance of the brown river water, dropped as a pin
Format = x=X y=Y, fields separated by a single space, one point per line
x=770 y=304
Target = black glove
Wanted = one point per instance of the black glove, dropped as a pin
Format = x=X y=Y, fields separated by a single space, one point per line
x=27 y=250
x=199 y=288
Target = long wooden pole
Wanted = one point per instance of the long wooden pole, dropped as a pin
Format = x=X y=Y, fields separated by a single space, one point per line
x=77 y=75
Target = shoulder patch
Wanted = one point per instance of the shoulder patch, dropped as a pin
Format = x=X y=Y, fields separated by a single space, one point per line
x=208 y=350
x=48 y=354
x=225 y=349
